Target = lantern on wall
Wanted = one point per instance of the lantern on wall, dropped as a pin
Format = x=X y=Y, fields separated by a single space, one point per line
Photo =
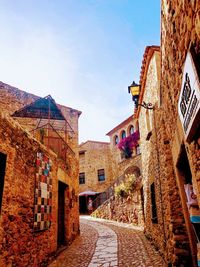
x=134 y=89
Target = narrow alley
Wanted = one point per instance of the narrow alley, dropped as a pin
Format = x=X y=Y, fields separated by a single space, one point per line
x=107 y=243
x=100 y=133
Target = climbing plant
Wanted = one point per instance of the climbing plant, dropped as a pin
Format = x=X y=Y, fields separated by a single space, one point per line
x=127 y=144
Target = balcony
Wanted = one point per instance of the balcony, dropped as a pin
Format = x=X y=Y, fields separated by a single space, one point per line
x=128 y=144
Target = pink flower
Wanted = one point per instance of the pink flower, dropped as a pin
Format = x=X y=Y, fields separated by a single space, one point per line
x=129 y=142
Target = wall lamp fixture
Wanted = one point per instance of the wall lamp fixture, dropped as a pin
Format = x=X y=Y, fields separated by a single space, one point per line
x=134 y=89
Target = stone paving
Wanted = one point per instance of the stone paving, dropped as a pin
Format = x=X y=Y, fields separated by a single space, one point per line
x=81 y=250
x=106 y=247
x=105 y=243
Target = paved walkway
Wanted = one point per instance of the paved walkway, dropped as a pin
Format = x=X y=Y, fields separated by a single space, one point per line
x=108 y=244
x=106 y=247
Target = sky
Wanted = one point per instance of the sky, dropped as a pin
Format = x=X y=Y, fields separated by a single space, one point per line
x=84 y=53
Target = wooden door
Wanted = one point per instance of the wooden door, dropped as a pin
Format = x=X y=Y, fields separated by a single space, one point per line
x=61 y=213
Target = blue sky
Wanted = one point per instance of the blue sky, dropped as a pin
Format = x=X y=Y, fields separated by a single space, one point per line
x=84 y=53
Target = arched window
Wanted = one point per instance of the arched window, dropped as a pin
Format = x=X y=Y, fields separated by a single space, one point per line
x=116 y=140
x=123 y=135
x=131 y=129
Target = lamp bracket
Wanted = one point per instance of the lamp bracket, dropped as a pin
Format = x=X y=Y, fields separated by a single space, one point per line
x=146 y=105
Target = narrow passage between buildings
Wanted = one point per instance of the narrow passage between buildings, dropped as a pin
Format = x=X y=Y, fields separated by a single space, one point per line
x=109 y=244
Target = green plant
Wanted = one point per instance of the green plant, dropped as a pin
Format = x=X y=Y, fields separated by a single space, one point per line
x=120 y=190
x=130 y=182
x=123 y=189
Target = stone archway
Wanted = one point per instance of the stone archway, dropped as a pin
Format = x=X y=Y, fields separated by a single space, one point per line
x=137 y=193
x=133 y=170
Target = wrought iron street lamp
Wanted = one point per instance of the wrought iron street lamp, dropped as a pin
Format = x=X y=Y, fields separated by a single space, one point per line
x=134 y=89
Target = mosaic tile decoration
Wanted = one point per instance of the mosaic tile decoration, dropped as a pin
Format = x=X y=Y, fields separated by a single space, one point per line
x=43 y=193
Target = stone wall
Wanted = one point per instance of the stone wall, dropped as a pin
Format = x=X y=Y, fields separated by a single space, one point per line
x=20 y=245
x=162 y=138
x=13 y=99
x=176 y=242
x=125 y=205
x=151 y=174
x=180 y=31
x=122 y=209
x=164 y=221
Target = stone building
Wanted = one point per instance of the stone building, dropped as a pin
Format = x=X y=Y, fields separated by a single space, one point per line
x=169 y=133
x=39 y=177
x=95 y=169
x=120 y=165
x=180 y=122
x=122 y=161
x=106 y=156
x=95 y=172
x=150 y=93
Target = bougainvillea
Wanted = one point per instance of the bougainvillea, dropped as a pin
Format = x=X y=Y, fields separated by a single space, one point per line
x=127 y=144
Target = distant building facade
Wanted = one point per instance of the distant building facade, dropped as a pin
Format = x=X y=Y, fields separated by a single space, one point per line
x=95 y=172
x=114 y=166
x=39 y=177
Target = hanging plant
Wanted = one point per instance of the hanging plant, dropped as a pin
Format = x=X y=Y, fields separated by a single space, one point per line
x=127 y=144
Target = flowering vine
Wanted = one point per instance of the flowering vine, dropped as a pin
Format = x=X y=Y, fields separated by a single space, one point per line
x=127 y=144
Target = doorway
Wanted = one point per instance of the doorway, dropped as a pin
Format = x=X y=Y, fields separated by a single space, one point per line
x=189 y=202
x=61 y=214
x=2 y=175
x=83 y=205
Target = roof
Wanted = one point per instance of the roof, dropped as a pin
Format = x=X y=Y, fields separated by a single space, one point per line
x=71 y=109
x=23 y=97
x=90 y=141
x=45 y=108
x=148 y=53
x=120 y=125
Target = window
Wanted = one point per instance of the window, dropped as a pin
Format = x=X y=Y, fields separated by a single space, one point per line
x=82 y=152
x=116 y=139
x=148 y=125
x=123 y=134
x=137 y=150
x=154 y=217
x=101 y=175
x=131 y=129
x=81 y=157
x=82 y=178
x=2 y=175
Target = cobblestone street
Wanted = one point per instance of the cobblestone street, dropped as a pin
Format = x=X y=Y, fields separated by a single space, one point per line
x=106 y=243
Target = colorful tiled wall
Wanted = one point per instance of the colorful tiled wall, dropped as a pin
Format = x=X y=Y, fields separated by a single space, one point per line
x=43 y=193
